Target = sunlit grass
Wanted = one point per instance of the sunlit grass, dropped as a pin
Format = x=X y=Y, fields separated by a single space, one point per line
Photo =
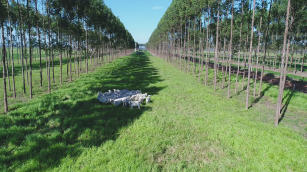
x=186 y=127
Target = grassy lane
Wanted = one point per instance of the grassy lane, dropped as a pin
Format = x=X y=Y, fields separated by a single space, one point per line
x=186 y=127
x=37 y=89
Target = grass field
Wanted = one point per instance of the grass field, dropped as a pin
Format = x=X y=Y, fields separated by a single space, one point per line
x=187 y=127
x=37 y=89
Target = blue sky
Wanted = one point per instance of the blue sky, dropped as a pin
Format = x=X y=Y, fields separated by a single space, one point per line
x=140 y=17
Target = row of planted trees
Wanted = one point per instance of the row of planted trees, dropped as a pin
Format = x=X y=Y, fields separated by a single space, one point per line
x=74 y=33
x=239 y=39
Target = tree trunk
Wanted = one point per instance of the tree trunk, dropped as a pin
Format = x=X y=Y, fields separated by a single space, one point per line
x=26 y=53
x=49 y=50
x=12 y=53
x=30 y=50
x=39 y=48
x=239 y=53
x=265 y=50
x=61 y=64
x=216 y=45
x=257 y=54
x=4 y=70
x=207 y=49
x=283 y=68
x=230 y=51
x=250 y=58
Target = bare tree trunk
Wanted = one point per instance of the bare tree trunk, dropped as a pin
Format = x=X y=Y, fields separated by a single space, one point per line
x=189 y=49
x=49 y=50
x=222 y=64
x=257 y=62
x=265 y=50
x=30 y=50
x=52 y=63
x=303 y=58
x=230 y=51
x=207 y=49
x=4 y=70
x=12 y=53
x=39 y=49
x=25 y=56
x=216 y=45
x=250 y=58
x=61 y=58
x=22 y=62
x=239 y=53
x=283 y=68
x=78 y=60
x=7 y=66
x=67 y=63
x=86 y=52
x=201 y=51
x=70 y=63
x=194 y=47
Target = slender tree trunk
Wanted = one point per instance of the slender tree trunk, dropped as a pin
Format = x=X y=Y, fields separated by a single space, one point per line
x=250 y=58
x=207 y=49
x=70 y=52
x=30 y=50
x=61 y=58
x=303 y=58
x=4 y=70
x=39 y=48
x=239 y=53
x=67 y=64
x=49 y=49
x=12 y=53
x=230 y=51
x=257 y=62
x=52 y=63
x=22 y=63
x=86 y=52
x=265 y=49
x=283 y=68
x=8 y=54
x=26 y=53
x=222 y=64
x=216 y=45
x=194 y=46
x=201 y=50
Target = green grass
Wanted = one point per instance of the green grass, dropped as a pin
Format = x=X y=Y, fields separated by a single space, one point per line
x=294 y=102
x=187 y=127
x=37 y=89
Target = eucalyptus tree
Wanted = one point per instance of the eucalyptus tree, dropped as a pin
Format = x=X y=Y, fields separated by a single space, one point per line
x=283 y=70
x=3 y=18
x=29 y=21
x=230 y=49
x=254 y=27
x=10 y=22
x=37 y=19
x=78 y=29
x=250 y=57
x=216 y=45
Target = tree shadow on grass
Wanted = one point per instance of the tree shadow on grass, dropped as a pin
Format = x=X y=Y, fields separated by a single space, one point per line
x=287 y=98
x=36 y=137
x=260 y=96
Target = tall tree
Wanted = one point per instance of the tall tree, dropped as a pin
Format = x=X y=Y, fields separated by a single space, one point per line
x=3 y=15
x=250 y=57
x=230 y=51
x=216 y=45
x=283 y=68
